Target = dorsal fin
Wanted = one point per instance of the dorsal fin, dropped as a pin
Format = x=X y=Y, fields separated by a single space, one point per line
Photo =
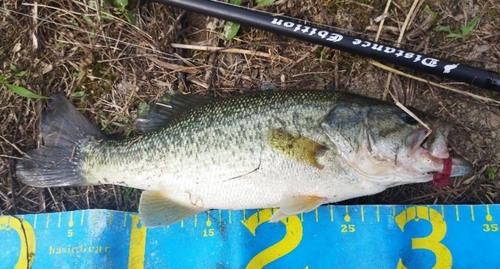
x=168 y=108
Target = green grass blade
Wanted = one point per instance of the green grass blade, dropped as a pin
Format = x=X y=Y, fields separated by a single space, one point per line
x=230 y=30
x=265 y=2
x=467 y=29
x=25 y=92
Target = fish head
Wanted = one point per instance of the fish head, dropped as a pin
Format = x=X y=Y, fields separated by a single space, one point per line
x=386 y=145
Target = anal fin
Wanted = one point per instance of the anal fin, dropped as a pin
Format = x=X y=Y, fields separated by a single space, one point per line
x=156 y=209
x=296 y=204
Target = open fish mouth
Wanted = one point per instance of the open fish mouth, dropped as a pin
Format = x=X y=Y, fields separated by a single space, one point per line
x=435 y=148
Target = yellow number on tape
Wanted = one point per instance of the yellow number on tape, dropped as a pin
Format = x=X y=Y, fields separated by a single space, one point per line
x=490 y=227
x=27 y=237
x=348 y=228
x=431 y=242
x=137 y=244
x=208 y=232
x=291 y=240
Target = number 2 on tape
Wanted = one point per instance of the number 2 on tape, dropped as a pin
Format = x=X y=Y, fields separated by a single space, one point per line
x=26 y=236
x=291 y=240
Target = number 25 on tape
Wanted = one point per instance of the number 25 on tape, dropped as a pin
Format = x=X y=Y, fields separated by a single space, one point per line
x=26 y=236
x=432 y=242
x=291 y=240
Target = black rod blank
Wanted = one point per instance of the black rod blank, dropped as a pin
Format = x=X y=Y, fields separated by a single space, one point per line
x=389 y=54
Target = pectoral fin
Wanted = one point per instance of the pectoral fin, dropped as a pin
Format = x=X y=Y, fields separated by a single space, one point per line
x=156 y=209
x=296 y=146
x=296 y=204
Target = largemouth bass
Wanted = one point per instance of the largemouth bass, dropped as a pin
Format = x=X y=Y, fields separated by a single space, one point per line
x=295 y=150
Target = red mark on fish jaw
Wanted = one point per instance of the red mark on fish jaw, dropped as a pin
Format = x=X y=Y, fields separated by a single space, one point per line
x=443 y=179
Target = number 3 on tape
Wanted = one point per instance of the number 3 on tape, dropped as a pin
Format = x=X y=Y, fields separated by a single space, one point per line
x=432 y=242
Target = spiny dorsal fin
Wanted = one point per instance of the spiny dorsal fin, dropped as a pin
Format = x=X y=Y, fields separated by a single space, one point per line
x=296 y=146
x=168 y=108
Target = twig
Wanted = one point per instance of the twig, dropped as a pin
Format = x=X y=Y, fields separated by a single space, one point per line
x=177 y=20
x=381 y=24
x=209 y=75
x=117 y=195
x=10 y=157
x=12 y=145
x=421 y=197
x=12 y=171
x=199 y=83
x=409 y=17
x=212 y=58
x=405 y=109
x=176 y=67
x=306 y=55
x=475 y=96
x=309 y=73
x=12 y=163
x=230 y=50
x=429 y=130
x=396 y=101
x=79 y=14
x=380 y=27
x=398 y=42
x=35 y=26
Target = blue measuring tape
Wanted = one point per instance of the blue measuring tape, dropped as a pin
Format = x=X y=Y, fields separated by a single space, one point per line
x=370 y=236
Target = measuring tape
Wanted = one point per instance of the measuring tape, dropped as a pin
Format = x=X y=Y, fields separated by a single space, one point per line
x=369 y=236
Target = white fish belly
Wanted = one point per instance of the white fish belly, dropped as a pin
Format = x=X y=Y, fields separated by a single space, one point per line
x=263 y=184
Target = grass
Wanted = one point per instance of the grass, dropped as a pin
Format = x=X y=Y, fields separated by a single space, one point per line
x=231 y=29
x=465 y=30
x=112 y=67
x=21 y=91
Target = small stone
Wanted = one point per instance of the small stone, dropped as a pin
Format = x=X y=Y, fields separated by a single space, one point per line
x=481 y=48
x=267 y=86
x=495 y=121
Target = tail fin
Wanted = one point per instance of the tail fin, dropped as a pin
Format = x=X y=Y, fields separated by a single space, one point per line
x=57 y=162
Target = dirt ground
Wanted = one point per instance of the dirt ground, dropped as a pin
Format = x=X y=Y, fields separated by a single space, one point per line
x=109 y=65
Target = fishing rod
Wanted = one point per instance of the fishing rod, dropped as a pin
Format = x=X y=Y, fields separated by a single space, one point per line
x=304 y=31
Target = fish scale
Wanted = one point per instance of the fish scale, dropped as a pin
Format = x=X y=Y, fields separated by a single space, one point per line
x=210 y=135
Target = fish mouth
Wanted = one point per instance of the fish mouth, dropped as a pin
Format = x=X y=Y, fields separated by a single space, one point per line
x=435 y=148
x=460 y=167
x=436 y=143
x=452 y=167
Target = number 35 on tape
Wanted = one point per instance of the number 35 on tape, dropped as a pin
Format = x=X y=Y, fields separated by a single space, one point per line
x=417 y=236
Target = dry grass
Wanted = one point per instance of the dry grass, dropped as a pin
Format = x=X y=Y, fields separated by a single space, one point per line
x=109 y=66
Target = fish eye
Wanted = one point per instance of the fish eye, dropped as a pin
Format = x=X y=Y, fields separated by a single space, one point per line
x=407 y=118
